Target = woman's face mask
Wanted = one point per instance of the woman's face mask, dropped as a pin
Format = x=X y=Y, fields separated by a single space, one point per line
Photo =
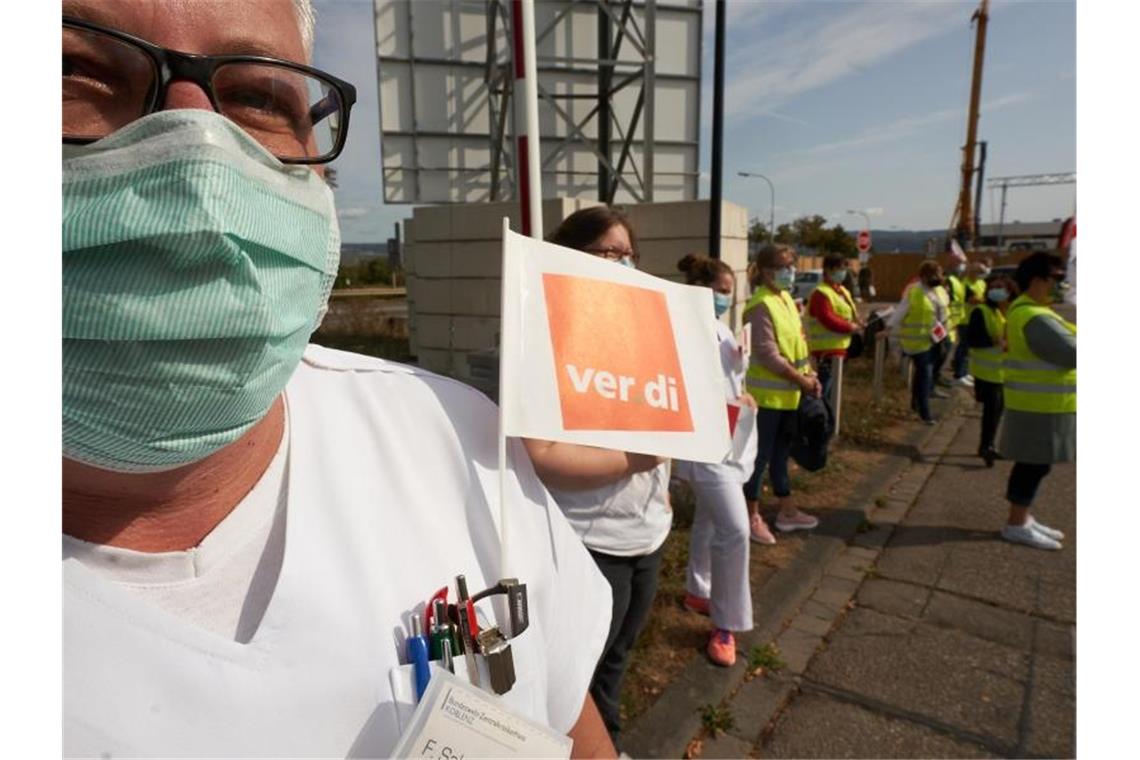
x=837 y=276
x=785 y=277
x=721 y=303
x=997 y=295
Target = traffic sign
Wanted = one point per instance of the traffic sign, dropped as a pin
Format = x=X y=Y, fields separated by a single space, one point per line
x=863 y=240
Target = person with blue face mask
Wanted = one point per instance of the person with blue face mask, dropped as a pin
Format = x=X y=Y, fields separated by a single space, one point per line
x=985 y=334
x=717 y=580
x=779 y=372
x=200 y=428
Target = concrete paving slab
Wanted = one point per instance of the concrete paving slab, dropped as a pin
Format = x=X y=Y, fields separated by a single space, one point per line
x=811 y=624
x=797 y=648
x=818 y=726
x=756 y=703
x=1051 y=722
x=874 y=539
x=917 y=563
x=945 y=675
x=725 y=746
x=893 y=597
x=985 y=576
x=982 y=620
x=1056 y=640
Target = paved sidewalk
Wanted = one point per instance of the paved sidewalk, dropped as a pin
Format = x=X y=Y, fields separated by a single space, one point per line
x=928 y=636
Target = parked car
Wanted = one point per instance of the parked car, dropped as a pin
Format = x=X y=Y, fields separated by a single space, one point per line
x=806 y=281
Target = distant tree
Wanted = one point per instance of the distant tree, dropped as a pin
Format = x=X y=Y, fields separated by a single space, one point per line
x=838 y=240
x=786 y=234
x=758 y=233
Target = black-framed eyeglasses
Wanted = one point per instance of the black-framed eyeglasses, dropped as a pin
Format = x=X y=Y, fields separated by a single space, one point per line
x=611 y=253
x=300 y=114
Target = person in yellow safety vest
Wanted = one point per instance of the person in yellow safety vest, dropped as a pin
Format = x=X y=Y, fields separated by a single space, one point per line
x=955 y=286
x=831 y=319
x=975 y=282
x=986 y=335
x=1039 y=369
x=779 y=370
x=919 y=323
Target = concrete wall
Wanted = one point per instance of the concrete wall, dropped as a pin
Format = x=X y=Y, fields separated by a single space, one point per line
x=452 y=257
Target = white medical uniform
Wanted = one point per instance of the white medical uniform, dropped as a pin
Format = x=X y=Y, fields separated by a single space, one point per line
x=719 y=542
x=392 y=490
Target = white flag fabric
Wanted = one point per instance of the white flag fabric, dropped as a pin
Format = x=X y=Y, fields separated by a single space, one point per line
x=600 y=354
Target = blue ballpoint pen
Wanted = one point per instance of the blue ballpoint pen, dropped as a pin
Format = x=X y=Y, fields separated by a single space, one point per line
x=417 y=645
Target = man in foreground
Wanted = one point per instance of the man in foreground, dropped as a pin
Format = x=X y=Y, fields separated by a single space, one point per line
x=250 y=523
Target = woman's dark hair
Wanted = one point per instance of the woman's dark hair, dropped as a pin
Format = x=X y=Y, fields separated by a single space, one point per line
x=582 y=228
x=928 y=268
x=834 y=261
x=768 y=257
x=1041 y=264
x=701 y=270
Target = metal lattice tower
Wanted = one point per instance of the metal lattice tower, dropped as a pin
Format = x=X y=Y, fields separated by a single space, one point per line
x=1026 y=180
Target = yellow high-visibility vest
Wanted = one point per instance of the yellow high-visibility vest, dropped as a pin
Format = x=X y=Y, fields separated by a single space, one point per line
x=976 y=289
x=1032 y=384
x=819 y=337
x=957 y=299
x=985 y=363
x=914 y=332
x=772 y=391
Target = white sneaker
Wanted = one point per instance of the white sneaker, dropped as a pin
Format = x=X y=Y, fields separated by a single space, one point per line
x=1045 y=530
x=965 y=382
x=1023 y=534
x=797 y=521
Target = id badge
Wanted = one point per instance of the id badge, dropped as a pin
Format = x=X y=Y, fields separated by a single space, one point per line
x=457 y=720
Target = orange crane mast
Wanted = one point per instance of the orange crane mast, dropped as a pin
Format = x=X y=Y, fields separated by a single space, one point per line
x=964 y=227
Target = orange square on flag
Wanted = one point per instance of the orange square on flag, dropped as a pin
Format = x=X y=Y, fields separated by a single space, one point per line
x=615 y=356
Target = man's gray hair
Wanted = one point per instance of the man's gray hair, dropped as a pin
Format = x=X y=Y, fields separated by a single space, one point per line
x=307 y=20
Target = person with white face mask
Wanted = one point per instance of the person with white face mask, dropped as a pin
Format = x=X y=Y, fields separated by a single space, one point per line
x=200 y=430
x=717 y=580
x=779 y=371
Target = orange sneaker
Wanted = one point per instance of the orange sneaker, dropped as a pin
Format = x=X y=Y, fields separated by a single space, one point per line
x=722 y=647
x=697 y=604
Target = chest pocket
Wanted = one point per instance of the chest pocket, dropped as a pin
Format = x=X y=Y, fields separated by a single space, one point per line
x=527 y=697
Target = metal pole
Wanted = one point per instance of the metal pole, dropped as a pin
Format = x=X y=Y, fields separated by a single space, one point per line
x=649 y=83
x=605 y=82
x=771 y=201
x=532 y=138
x=717 y=134
x=836 y=388
x=1001 y=216
x=978 y=190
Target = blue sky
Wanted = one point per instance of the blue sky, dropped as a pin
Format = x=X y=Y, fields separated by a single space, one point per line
x=844 y=105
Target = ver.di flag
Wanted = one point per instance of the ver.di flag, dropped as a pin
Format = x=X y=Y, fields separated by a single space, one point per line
x=599 y=354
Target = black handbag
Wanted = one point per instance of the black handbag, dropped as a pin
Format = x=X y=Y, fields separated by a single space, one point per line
x=815 y=424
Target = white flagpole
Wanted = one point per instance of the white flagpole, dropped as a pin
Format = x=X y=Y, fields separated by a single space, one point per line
x=506 y=343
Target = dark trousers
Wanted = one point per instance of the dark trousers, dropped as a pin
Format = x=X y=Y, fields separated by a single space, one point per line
x=938 y=353
x=774 y=431
x=825 y=370
x=961 y=354
x=1024 y=479
x=990 y=395
x=633 y=581
x=922 y=382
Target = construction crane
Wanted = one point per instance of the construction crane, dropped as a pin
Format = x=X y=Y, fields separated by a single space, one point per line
x=964 y=225
x=1026 y=180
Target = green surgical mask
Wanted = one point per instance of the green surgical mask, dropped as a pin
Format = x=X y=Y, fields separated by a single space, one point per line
x=195 y=268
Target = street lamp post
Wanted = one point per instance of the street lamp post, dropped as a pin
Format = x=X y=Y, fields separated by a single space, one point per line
x=772 y=209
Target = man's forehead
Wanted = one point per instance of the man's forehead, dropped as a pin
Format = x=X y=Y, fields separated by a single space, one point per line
x=250 y=27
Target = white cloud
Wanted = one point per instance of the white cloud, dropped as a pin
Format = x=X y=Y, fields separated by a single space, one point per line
x=808 y=50
x=895 y=129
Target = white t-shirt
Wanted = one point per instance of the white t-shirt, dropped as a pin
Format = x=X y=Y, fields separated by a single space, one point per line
x=225 y=583
x=392 y=490
x=629 y=518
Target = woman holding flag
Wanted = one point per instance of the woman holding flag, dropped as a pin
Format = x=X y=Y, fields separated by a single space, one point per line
x=717 y=582
x=616 y=501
